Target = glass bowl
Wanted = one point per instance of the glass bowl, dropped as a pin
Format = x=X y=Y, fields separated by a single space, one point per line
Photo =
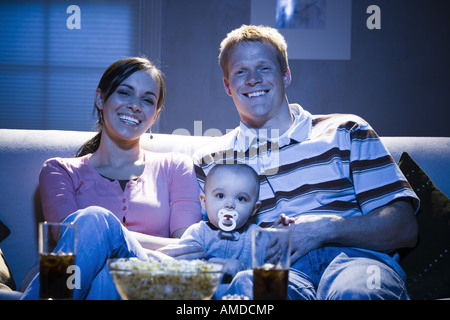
x=166 y=279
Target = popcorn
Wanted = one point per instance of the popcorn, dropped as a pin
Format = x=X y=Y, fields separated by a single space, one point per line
x=166 y=279
x=235 y=297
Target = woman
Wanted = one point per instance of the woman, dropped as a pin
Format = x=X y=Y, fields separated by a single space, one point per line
x=125 y=200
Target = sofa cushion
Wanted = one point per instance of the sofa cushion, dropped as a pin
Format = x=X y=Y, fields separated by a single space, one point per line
x=427 y=265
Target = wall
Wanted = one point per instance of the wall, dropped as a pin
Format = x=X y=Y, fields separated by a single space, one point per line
x=397 y=79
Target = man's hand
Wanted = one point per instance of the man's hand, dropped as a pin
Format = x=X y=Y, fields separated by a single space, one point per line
x=283 y=221
x=377 y=230
x=308 y=233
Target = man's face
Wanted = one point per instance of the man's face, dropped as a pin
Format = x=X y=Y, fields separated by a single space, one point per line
x=256 y=83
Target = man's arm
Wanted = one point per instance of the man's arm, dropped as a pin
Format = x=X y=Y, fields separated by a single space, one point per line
x=386 y=228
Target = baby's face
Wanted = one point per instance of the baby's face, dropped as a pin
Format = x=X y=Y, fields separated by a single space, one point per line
x=230 y=199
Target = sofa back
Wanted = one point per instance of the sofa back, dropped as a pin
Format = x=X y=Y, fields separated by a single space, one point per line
x=22 y=153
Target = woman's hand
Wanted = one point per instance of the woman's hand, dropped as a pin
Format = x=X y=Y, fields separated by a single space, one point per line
x=183 y=251
x=152 y=254
x=231 y=266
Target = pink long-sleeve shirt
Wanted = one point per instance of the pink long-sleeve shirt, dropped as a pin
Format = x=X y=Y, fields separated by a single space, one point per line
x=163 y=199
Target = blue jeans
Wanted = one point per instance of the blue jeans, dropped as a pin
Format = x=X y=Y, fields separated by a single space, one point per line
x=101 y=236
x=335 y=273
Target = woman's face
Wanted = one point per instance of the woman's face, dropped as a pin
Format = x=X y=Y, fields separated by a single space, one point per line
x=132 y=108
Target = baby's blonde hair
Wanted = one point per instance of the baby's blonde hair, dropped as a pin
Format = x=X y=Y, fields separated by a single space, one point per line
x=236 y=168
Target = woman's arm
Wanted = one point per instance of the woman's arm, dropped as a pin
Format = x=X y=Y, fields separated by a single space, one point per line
x=57 y=191
x=153 y=242
x=191 y=246
x=185 y=208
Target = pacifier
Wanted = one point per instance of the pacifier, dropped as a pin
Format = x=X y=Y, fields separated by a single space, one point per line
x=227 y=219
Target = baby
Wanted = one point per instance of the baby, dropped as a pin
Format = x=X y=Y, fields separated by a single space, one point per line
x=230 y=198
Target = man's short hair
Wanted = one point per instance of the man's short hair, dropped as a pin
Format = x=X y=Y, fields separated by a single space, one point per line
x=249 y=33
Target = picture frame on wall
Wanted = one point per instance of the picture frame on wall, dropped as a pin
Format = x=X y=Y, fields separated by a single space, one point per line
x=313 y=29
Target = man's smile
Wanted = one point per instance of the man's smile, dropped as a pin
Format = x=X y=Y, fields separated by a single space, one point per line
x=255 y=94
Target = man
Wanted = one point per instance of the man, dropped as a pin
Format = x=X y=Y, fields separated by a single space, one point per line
x=352 y=205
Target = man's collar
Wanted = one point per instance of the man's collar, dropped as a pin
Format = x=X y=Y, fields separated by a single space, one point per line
x=299 y=131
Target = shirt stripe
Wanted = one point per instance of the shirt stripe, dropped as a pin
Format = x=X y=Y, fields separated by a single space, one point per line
x=333 y=164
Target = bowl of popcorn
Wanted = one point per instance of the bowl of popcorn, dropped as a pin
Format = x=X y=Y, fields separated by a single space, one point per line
x=165 y=279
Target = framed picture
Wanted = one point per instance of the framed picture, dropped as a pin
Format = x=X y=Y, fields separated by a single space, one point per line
x=313 y=29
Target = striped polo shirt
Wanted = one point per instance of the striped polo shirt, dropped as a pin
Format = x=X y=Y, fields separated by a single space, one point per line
x=323 y=164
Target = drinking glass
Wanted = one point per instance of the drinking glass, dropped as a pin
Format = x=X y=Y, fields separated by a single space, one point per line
x=271 y=250
x=57 y=252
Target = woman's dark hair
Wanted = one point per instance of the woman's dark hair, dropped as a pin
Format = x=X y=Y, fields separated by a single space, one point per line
x=111 y=79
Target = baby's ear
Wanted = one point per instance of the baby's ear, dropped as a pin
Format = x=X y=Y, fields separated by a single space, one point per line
x=202 y=201
x=256 y=207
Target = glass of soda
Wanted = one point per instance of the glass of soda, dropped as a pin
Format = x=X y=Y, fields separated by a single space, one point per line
x=271 y=251
x=57 y=251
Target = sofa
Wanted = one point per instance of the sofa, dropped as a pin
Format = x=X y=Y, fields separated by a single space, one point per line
x=22 y=153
